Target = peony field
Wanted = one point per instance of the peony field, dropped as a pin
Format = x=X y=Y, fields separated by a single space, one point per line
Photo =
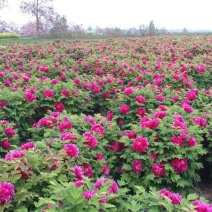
x=118 y=125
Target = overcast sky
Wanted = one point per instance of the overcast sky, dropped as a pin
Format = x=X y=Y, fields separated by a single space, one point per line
x=171 y=14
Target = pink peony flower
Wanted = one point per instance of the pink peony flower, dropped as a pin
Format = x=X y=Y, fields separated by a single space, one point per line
x=175 y=198
x=48 y=93
x=202 y=206
x=160 y=98
x=89 y=194
x=141 y=111
x=28 y=145
x=124 y=109
x=158 y=169
x=128 y=91
x=178 y=140
x=187 y=108
x=140 y=144
x=5 y=144
x=79 y=183
x=113 y=188
x=192 y=141
x=201 y=68
x=191 y=95
x=9 y=132
x=200 y=121
x=2 y=104
x=116 y=146
x=179 y=165
x=68 y=136
x=63 y=126
x=137 y=166
x=65 y=93
x=6 y=192
x=78 y=172
x=29 y=96
x=99 y=156
x=99 y=183
x=105 y=169
x=71 y=150
x=13 y=155
x=91 y=140
x=98 y=129
x=59 y=106
x=87 y=169
x=110 y=115
x=151 y=124
x=140 y=99
x=160 y=115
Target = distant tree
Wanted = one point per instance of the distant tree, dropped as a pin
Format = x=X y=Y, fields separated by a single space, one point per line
x=143 y=30
x=152 y=29
x=8 y=27
x=132 y=32
x=90 y=29
x=42 y=10
x=29 y=29
x=59 y=27
x=184 y=30
x=2 y=3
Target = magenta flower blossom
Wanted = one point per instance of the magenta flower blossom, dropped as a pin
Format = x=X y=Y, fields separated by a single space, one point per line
x=202 y=206
x=89 y=194
x=48 y=94
x=59 y=106
x=137 y=166
x=5 y=144
x=179 y=165
x=98 y=129
x=29 y=96
x=124 y=109
x=71 y=150
x=13 y=154
x=175 y=198
x=6 y=192
x=140 y=99
x=158 y=169
x=140 y=144
x=78 y=172
x=91 y=140
x=28 y=145
x=128 y=91
x=9 y=132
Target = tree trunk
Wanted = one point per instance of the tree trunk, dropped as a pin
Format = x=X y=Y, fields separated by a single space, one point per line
x=37 y=20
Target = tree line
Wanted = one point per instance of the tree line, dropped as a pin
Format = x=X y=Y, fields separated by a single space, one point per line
x=47 y=22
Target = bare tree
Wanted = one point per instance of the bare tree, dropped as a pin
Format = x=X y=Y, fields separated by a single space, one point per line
x=2 y=3
x=42 y=10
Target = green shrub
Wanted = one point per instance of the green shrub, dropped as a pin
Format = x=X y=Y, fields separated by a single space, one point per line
x=6 y=35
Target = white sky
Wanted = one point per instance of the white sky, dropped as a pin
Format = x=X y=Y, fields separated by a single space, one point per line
x=171 y=14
